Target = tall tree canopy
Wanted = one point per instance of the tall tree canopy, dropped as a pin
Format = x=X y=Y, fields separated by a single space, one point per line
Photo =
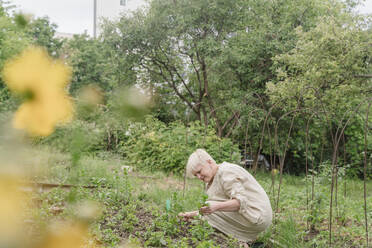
x=215 y=56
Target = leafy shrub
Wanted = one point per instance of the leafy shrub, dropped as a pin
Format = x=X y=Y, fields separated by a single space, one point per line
x=152 y=145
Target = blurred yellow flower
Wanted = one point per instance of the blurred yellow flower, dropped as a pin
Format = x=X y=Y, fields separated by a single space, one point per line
x=68 y=235
x=88 y=210
x=91 y=95
x=12 y=209
x=34 y=74
x=131 y=243
x=131 y=103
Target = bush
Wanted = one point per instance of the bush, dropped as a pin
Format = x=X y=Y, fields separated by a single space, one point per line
x=152 y=145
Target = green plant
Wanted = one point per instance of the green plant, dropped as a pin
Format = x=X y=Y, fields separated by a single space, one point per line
x=289 y=233
x=315 y=216
x=201 y=230
x=152 y=145
x=206 y=244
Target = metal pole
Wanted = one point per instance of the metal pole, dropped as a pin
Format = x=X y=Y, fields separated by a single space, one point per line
x=95 y=19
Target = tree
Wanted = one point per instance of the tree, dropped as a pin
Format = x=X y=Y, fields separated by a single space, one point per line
x=324 y=66
x=322 y=73
x=215 y=56
x=42 y=32
x=215 y=59
x=175 y=45
x=268 y=29
x=86 y=57
x=12 y=41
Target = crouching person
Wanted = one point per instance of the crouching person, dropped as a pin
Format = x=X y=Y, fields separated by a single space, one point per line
x=237 y=204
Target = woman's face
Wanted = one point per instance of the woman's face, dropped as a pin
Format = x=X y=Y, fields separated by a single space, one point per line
x=204 y=172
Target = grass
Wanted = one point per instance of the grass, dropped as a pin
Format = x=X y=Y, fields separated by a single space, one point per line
x=135 y=206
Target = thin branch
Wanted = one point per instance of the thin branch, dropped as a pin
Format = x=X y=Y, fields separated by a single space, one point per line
x=237 y=116
x=364 y=76
x=365 y=172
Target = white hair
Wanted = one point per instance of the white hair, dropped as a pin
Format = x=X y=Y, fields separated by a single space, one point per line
x=199 y=157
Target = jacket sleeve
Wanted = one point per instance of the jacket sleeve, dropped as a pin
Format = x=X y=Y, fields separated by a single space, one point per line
x=235 y=187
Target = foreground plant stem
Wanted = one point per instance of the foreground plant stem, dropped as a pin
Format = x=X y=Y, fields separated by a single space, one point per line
x=365 y=172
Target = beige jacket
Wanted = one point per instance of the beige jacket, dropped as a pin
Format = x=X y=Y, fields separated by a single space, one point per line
x=255 y=214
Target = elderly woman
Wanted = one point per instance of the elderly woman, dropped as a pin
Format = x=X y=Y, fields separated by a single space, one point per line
x=237 y=204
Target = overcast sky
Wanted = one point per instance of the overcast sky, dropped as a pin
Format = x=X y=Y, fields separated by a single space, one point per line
x=71 y=16
x=76 y=16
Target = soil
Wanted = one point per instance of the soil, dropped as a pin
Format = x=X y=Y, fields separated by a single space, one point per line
x=146 y=218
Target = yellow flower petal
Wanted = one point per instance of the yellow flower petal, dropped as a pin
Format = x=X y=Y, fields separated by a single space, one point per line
x=68 y=234
x=12 y=203
x=33 y=71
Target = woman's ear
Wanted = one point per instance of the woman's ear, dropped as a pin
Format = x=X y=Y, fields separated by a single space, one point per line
x=210 y=162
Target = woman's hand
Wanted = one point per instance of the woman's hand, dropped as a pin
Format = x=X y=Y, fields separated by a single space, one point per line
x=209 y=209
x=188 y=215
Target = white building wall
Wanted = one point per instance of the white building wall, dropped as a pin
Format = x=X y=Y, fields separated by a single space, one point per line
x=111 y=9
x=63 y=35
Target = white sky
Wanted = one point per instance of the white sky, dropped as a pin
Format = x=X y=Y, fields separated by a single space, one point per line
x=71 y=16
x=76 y=16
